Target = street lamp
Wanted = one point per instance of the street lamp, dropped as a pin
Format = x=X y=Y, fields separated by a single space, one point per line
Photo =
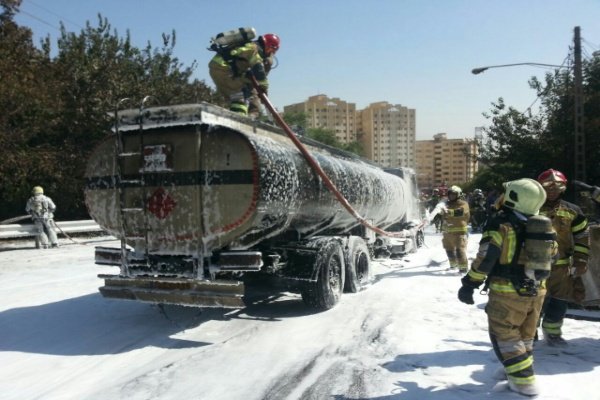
x=479 y=70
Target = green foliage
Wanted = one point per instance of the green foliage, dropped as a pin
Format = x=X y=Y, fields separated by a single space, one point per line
x=56 y=110
x=328 y=137
x=296 y=119
x=491 y=178
x=354 y=147
x=523 y=145
x=324 y=136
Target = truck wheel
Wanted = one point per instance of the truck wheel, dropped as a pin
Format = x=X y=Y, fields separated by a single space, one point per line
x=327 y=290
x=358 y=265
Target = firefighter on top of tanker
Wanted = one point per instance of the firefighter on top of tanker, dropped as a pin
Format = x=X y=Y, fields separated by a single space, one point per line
x=238 y=55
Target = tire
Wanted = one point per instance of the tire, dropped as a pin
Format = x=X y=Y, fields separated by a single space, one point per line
x=358 y=265
x=326 y=291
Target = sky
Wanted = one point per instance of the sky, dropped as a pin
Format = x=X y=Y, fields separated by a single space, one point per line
x=406 y=337
x=416 y=53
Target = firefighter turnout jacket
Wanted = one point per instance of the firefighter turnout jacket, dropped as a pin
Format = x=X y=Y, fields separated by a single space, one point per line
x=40 y=207
x=572 y=232
x=456 y=216
x=237 y=61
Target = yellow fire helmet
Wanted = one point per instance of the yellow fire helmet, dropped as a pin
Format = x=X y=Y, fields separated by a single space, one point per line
x=37 y=190
x=524 y=195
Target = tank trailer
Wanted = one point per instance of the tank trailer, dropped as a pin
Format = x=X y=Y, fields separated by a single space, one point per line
x=209 y=206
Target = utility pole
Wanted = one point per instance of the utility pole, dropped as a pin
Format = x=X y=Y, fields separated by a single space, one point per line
x=579 y=134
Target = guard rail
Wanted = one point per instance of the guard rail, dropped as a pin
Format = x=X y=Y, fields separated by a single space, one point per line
x=15 y=231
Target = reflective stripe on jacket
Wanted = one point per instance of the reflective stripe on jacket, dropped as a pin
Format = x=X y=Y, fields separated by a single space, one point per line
x=572 y=231
x=498 y=246
x=246 y=57
x=456 y=216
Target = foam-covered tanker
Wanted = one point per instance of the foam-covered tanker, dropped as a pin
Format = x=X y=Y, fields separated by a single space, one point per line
x=209 y=205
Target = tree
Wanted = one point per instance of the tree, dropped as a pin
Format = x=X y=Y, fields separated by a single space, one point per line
x=522 y=145
x=55 y=111
x=25 y=98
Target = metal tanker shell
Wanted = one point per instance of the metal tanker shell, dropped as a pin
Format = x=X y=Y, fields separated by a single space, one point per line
x=212 y=180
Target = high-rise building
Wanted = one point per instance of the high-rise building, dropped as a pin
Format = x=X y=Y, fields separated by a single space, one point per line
x=445 y=161
x=387 y=133
x=332 y=114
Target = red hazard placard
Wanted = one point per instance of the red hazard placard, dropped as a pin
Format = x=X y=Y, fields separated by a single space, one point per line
x=161 y=203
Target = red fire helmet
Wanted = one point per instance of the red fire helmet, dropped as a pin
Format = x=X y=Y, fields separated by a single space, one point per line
x=271 y=42
x=552 y=175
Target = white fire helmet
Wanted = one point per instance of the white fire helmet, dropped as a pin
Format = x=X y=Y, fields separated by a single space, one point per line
x=524 y=195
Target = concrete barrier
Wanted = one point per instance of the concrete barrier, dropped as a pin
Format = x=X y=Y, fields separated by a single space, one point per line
x=15 y=231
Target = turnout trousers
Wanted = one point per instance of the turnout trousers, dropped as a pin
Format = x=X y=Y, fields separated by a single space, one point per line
x=512 y=324
x=455 y=244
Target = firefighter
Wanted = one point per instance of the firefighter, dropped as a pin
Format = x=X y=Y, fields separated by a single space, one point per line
x=41 y=208
x=254 y=100
x=565 y=283
x=478 y=210
x=228 y=69
x=515 y=294
x=456 y=216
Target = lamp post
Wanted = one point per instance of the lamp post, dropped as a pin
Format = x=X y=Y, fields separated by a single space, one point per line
x=479 y=70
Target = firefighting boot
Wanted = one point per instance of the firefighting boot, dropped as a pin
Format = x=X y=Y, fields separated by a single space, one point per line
x=524 y=388
x=555 y=340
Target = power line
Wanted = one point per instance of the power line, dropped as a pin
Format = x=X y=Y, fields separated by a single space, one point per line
x=39 y=19
x=592 y=45
x=62 y=18
x=543 y=92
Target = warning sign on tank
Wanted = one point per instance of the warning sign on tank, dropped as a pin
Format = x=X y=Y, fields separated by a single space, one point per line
x=161 y=203
x=158 y=158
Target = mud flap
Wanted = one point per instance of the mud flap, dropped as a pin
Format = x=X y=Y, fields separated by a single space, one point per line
x=186 y=292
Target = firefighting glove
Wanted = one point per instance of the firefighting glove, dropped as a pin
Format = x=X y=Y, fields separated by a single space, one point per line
x=578 y=268
x=465 y=293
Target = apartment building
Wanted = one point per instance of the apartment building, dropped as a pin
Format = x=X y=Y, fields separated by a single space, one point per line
x=445 y=161
x=386 y=131
x=388 y=134
x=329 y=113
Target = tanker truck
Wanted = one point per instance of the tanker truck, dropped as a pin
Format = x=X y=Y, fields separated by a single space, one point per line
x=209 y=205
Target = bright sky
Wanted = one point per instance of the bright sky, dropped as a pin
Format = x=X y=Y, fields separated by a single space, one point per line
x=417 y=53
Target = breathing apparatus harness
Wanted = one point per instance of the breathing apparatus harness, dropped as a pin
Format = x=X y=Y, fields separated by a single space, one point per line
x=225 y=42
x=526 y=279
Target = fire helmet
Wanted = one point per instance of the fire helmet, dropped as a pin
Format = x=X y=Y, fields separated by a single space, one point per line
x=270 y=42
x=455 y=189
x=37 y=190
x=524 y=195
x=553 y=177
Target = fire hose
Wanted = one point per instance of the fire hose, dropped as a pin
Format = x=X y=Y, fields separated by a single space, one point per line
x=54 y=224
x=317 y=168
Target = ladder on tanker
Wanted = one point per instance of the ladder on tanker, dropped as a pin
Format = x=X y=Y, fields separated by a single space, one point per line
x=129 y=211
